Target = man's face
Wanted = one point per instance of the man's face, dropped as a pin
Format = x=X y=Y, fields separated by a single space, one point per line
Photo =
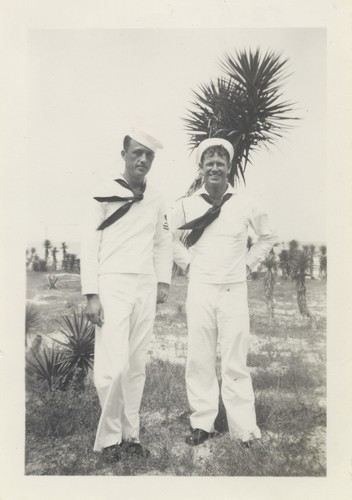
x=215 y=169
x=138 y=160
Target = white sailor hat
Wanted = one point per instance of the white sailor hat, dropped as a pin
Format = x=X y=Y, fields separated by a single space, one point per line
x=214 y=141
x=147 y=140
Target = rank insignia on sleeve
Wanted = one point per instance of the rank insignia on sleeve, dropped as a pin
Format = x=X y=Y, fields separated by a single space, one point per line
x=166 y=224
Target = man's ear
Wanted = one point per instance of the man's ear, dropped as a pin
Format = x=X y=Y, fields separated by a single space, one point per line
x=123 y=154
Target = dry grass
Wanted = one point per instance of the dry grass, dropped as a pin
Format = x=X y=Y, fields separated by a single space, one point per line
x=288 y=370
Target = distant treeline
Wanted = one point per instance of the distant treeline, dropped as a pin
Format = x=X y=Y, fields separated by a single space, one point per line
x=69 y=262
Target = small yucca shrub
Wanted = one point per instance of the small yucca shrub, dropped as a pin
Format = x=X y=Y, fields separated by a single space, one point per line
x=78 y=346
x=58 y=413
x=284 y=263
x=32 y=318
x=270 y=264
x=323 y=268
x=300 y=270
x=43 y=366
x=52 y=282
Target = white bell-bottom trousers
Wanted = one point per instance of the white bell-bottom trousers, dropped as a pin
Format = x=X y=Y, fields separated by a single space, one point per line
x=218 y=314
x=121 y=347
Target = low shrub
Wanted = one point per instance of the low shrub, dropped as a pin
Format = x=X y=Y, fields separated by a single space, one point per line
x=165 y=386
x=52 y=282
x=291 y=373
x=78 y=346
x=57 y=413
x=40 y=265
x=32 y=318
x=44 y=368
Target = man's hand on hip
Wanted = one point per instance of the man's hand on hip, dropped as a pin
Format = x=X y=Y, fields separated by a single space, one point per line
x=94 y=310
x=162 y=292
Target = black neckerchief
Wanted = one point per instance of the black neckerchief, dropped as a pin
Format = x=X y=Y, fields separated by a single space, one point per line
x=120 y=212
x=200 y=223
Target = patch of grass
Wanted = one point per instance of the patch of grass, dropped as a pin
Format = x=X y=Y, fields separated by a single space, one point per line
x=292 y=374
x=289 y=383
x=56 y=413
x=290 y=413
x=165 y=389
x=52 y=282
x=64 y=424
x=285 y=455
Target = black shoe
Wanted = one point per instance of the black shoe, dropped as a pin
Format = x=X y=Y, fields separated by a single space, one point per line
x=135 y=449
x=247 y=444
x=197 y=436
x=112 y=453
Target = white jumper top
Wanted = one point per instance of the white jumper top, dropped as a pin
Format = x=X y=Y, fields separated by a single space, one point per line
x=138 y=243
x=220 y=255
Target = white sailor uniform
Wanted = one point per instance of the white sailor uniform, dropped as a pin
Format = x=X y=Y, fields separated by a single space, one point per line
x=122 y=264
x=217 y=307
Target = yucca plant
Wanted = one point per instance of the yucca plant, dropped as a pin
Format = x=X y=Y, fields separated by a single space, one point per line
x=30 y=254
x=52 y=282
x=39 y=265
x=71 y=263
x=64 y=249
x=311 y=260
x=78 y=346
x=284 y=263
x=270 y=264
x=45 y=365
x=323 y=270
x=293 y=248
x=299 y=272
x=54 y=252
x=32 y=317
x=47 y=245
x=64 y=262
x=244 y=106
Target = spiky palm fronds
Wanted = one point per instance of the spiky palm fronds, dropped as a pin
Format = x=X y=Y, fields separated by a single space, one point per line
x=323 y=249
x=323 y=262
x=64 y=248
x=299 y=272
x=244 y=106
x=311 y=260
x=323 y=266
x=52 y=282
x=78 y=353
x=32 y=318
x=54 y=252
x=47 y=245
x=45 y=365
x=30 y=256
x=270 y=263
x=293 y=248
x=284 y=263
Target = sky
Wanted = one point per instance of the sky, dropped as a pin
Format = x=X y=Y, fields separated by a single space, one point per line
x=86 y=88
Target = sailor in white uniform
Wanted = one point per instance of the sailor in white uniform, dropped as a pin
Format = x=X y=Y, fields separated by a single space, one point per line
x=126 y=263
x=216 y=219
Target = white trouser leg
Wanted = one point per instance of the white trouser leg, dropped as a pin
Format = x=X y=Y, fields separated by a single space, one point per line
x=201 y=381
x=236 y=389
x=141 y=329
x=119 y=295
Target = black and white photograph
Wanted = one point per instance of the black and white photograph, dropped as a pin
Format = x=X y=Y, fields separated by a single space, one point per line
x=176 y=226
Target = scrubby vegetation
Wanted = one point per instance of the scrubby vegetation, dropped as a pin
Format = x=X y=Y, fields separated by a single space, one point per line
x=286 y=358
